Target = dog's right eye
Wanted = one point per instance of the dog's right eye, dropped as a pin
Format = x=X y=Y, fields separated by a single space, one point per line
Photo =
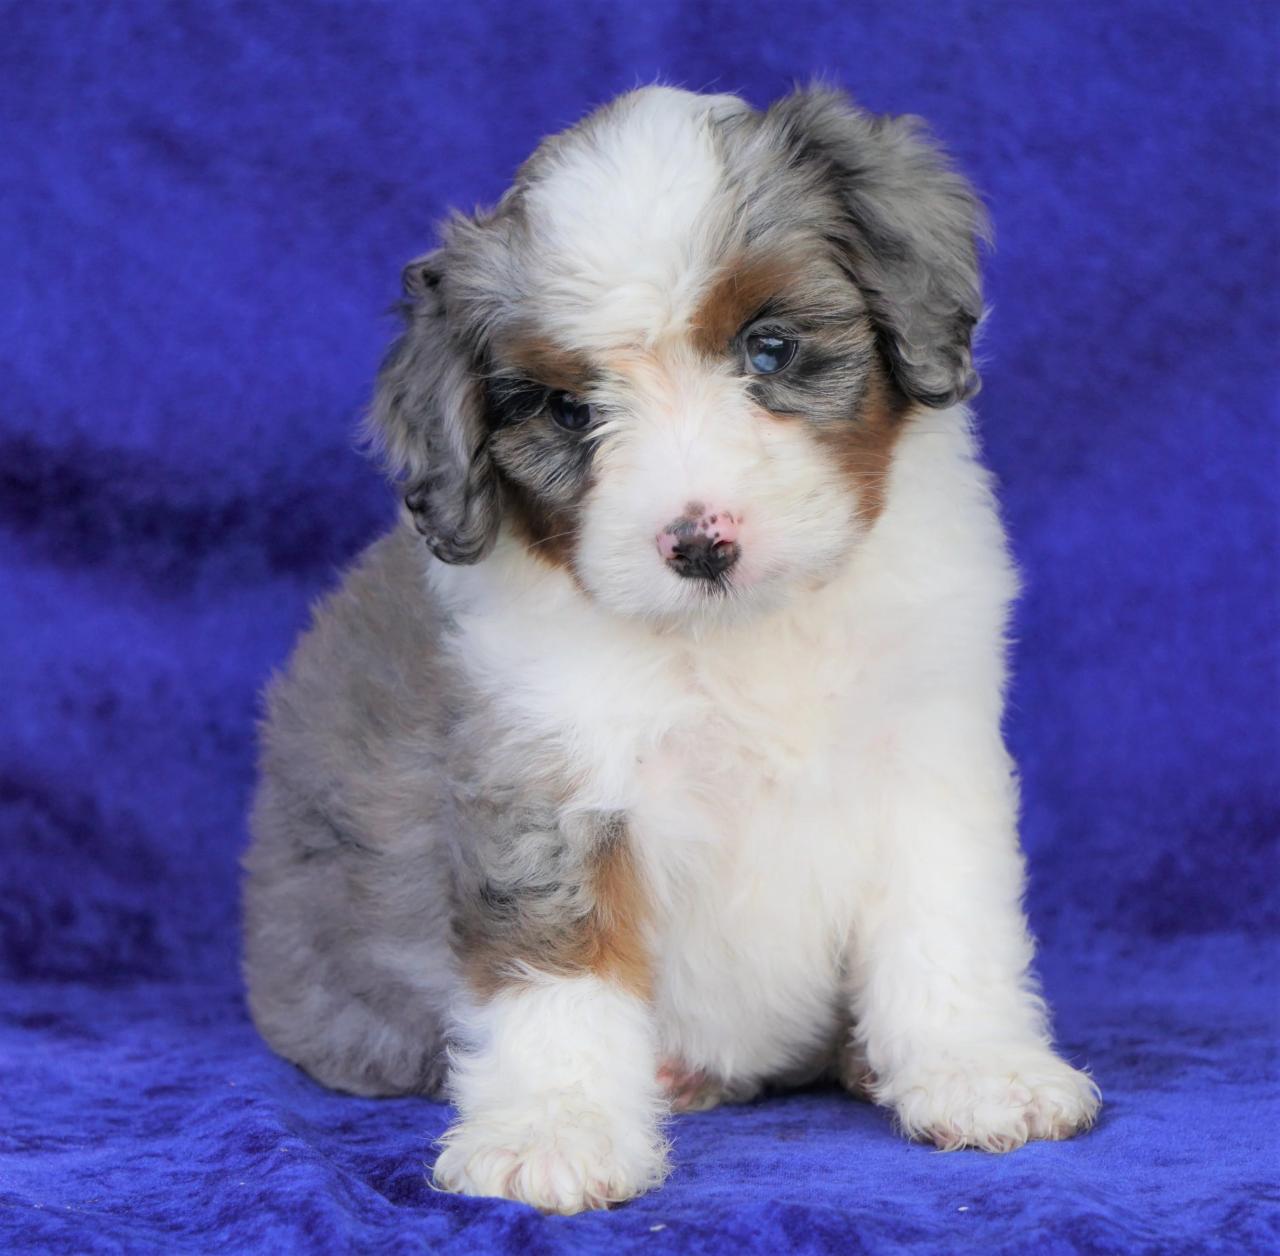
x=568 y=412
x=768 y=353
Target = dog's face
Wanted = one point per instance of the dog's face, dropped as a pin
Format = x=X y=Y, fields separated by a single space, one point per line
x=676 y=357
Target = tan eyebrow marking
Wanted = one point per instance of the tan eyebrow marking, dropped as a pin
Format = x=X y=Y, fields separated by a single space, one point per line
x=742 y=288
x=545 y=362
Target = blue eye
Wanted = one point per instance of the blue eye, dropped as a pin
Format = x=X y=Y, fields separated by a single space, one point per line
x=568 y=412
x=768 y=354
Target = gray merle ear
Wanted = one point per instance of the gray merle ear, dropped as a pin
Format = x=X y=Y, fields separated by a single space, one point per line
x=911 y=231
x=427 y=420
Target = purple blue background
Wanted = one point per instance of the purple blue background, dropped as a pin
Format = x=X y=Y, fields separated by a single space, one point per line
x=203 y=214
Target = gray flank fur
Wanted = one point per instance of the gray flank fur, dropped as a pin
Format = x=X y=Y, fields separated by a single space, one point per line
x=395 y=819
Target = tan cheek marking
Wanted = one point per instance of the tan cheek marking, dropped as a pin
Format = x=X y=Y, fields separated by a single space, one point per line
x=863 y=448
x=550 y=534
x=608 y=941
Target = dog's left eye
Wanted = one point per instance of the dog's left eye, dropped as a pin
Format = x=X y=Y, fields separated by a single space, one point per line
x=569 y=412
x=767 y=354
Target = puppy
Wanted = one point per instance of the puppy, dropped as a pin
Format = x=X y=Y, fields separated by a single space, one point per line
x=655 y=758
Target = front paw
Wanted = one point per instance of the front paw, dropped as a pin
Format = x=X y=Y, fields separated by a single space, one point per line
x=569 y=1162
x=996 y=1101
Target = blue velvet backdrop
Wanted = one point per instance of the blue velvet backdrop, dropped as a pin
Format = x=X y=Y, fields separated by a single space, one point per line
x=203 y=213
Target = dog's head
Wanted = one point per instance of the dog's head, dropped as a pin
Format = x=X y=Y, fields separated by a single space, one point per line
x=676 y=356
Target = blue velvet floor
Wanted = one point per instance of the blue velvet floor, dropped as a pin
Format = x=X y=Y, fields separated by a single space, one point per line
x=149 y=1118
x=203 y=214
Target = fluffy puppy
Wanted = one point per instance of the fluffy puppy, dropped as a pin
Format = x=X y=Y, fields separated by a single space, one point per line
x=655 y=758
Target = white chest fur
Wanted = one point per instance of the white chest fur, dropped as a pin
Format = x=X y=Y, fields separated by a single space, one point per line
x=746 y=820
x=731 y=756
x=750 y=762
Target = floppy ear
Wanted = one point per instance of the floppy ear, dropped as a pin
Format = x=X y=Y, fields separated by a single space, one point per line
x=911 y=233
x=427 y=420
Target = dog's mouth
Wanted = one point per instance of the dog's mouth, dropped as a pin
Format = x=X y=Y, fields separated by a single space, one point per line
x=725 y=600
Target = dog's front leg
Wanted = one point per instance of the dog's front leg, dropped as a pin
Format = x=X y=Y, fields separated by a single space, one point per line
x=953 y=1030
x=553 y=1070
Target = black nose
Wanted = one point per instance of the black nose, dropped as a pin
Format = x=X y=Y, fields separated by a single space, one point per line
x=700 y=557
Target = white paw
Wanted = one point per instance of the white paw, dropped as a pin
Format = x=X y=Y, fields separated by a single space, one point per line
x=565 y=1163
x=995 y=1101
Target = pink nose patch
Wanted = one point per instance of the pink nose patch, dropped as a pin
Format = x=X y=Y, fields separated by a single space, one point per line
x=720 y=527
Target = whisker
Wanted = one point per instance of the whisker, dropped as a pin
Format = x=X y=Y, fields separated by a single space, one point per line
x=555 y=536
